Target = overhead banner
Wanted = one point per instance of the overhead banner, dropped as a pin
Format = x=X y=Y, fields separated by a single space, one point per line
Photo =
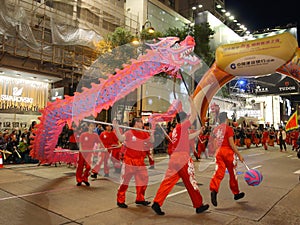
x=257 y=57
x=22 y=94
x=286 y=86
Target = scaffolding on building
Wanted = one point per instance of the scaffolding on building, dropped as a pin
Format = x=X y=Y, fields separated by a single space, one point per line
x=56 y=37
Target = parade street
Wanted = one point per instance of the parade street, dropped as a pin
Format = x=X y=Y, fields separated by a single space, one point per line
x=44 y=195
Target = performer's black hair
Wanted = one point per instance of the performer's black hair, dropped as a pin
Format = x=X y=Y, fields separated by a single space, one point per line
x=223 y=117
x=180 y=117
x=134 y=120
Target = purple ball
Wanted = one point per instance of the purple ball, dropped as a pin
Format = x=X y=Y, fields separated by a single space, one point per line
x=253 y=177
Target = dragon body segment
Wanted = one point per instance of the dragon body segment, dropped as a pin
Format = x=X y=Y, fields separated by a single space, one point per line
x=165 y=56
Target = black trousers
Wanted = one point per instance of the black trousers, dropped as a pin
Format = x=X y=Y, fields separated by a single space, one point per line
x=282 y=144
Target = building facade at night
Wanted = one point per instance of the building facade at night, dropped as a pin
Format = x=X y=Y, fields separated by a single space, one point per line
x=47 y=45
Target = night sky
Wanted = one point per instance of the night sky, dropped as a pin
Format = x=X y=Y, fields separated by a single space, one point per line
x=261 y=14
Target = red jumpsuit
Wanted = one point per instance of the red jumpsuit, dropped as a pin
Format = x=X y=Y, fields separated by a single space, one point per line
x=294 y=138
x=109 y=139
x=237 y=139
x=116 y=156
x=225 y=158
x=170 y=144
x=256 y=137
x=211 y=145
x=180 y=166
x=192 y=142
x=87 y=141
x=265 y=137
x=202 y=143
x=248 y=138
x=271 y=138
x=148 y=146
x=134 y=165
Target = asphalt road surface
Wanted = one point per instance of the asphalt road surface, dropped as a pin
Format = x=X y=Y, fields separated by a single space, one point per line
x=42 y=195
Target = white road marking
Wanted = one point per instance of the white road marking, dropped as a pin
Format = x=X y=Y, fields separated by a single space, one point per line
x=204 y=165
x=177 y=193
x=35 y=193
x=165 y=157
x=290 y=156
x=255 y=167
x=297 y=172
x=256 y=154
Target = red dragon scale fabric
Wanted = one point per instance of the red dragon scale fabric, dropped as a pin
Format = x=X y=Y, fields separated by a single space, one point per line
x=168 y=55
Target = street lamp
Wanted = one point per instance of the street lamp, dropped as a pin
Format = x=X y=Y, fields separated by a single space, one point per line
x=136 y=40
x=143 y=35
x=147 y=29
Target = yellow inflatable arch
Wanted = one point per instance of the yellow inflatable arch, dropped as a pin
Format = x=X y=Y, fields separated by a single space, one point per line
x=260 y=57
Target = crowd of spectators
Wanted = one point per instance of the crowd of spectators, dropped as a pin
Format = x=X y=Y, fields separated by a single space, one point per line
x=14 y=144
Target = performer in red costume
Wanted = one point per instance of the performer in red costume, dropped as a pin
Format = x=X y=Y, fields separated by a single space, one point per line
x=202 y=143
x=109 y=141
x=265 y=138
x=180 y=165
x=294 y=137
x=87 y=142
x=225 y=158
x=149 y=148
x=272 y=136
x=169 y=139
x=248 y=137
x=257 y=137
x=133 y=163
x=192 y=142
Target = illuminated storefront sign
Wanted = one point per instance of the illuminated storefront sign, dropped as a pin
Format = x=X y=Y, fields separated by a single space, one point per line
x=56 y=93
x=16 y=99
x=17 y=96
x=21 y=93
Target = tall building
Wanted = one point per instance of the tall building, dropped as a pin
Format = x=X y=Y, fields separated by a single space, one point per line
x=190 y=8
x=159 y=14
x=47 y=44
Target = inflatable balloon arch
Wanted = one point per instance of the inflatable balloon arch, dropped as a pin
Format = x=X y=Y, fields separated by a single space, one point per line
x=99 y=91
